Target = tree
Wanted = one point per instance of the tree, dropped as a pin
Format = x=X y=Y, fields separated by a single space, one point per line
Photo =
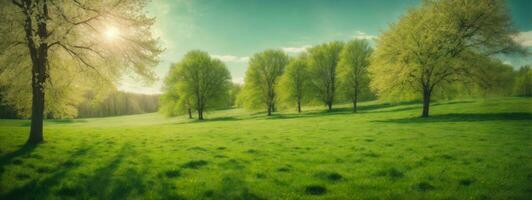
x=121 y=103
x=262 y=77
x=233 y=94
x=201 y=83
x=323 y=60
x=427 y=48
x=352 y=69
x=294 y=83
x=523 y=82
x=59 y=47
x=489 y=76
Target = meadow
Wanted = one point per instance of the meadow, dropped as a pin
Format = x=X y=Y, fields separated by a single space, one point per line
x=467 y=149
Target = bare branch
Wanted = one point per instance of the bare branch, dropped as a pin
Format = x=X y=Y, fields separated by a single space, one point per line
x=78 y=57
x=19 y=4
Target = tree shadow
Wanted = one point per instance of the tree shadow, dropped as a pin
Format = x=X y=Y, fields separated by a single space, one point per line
x=23 y=151
x=104 y=184
x=465 y=117
x=216 y=119
x=366 y=108
x=451 y=102
x=41 y=187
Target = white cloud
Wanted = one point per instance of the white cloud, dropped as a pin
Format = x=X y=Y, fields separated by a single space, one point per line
x=296 y=49
x=364 y=36
x=231 y=58
x=506 y=62
x=524 y=38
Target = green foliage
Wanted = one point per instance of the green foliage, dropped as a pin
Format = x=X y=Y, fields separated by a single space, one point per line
x=429 y=48
x=323 y=60
x=79 y=56
x=489 y=77
x=352 y=70
x=523 y=82
x=379 y=153
x=261 y=80
x=294 y=85
x=233 y=95
x=117 y=103
x=197 y=82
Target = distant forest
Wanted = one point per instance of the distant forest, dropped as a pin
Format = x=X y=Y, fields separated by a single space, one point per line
x=115 y=104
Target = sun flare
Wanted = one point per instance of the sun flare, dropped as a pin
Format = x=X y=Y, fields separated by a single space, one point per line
x=111 y=33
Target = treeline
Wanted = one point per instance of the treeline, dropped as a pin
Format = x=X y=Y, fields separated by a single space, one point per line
x=117 y=103
x=440 y=50
x=113 y=104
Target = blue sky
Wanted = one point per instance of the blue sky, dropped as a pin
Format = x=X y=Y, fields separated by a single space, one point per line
x=233 y=30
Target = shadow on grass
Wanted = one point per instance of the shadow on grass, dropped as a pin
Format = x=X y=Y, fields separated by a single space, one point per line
x=374 y=108
x=105 y=182
x=41 y=187
x=67 y=121
x=57 y=121
x=7 y=158
x=465 y=117
x=216 y=119
x=343 y=111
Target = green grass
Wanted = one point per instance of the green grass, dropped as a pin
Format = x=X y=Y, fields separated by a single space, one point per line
x=468 y=149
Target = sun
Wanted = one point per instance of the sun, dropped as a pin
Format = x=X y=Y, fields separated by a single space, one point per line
x=111 y=33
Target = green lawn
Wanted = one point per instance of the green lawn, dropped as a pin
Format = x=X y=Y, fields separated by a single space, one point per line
x=468 y=149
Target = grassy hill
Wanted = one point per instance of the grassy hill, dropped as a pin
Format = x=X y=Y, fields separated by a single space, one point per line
x=468 y=149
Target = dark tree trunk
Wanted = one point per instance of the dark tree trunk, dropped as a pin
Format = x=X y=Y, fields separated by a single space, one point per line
x=299 y=106
x=269 y=109
x=355 y=99
x=39 y=58
x=426 y=103
x=37 y=104
x=329 y=106
x=189 y=113
x=200 y=114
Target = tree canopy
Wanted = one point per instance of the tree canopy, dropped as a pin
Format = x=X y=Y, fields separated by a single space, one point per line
x=428 y=48
x=294 y=85
x=60 y=48
x=323 y=60
x=352 y=70
x=262 y=78
x=197 y=82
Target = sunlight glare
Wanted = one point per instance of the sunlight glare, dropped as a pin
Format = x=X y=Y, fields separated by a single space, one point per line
x=111 y=33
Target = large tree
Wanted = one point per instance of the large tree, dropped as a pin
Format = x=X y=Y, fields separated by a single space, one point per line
x=201 y=83
x=428 y=48
x=353 y=69
x=294 y=85
x=58 y=47
x=262 y=77
x=323 y=60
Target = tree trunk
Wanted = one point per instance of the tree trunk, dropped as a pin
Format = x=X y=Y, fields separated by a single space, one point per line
x=426 y=102
x=39 y=57
x=189 y=113
x=269 y=109
x=200 y=114
x=299 y=106
x=355 y=99
x=37 y=104
x=329 y=105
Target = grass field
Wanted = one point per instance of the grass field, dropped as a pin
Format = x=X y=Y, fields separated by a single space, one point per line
x=468 y=149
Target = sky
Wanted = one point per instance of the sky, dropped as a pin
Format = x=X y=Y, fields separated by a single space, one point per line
x=233 y=30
